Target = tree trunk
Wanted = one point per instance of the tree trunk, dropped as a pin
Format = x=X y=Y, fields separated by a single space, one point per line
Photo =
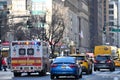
x=53 y=50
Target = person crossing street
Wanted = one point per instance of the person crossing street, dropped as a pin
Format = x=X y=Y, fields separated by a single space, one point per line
x=4 y=63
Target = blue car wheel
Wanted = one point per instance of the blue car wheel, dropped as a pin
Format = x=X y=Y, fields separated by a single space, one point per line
x=52 y=76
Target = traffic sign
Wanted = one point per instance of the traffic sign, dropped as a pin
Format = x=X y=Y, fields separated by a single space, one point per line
x=115 y=30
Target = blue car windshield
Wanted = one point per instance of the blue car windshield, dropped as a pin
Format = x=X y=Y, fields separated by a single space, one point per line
x=64 y=60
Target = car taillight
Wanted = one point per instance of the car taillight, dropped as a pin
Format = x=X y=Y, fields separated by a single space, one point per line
x=84 y=61
x=73 y=65
x=95 y=61
x=108 y=61
x=53 y=65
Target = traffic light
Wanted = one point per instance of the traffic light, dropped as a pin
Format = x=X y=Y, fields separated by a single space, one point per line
x=104 y=30
x=77 y=51
x=29 y=23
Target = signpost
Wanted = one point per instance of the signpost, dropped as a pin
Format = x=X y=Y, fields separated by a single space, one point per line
x=115 y=30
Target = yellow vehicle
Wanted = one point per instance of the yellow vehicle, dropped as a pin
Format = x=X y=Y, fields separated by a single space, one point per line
x=84 y=62
x=104 y=49
x=107 y=50
x=118 y=52
x=117 y=61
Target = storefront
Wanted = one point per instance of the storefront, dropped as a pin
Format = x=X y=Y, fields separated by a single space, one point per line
x=5 y=49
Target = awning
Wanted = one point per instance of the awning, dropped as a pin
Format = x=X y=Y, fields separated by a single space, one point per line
x=4 y=49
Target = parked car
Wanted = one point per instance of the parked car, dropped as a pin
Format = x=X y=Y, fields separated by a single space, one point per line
x=84 y=61
x=65 y=66
x=104 y=62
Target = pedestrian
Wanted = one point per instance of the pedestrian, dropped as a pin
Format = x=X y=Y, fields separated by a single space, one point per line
x=4 y=63
x=0 y=62
x=8 y=61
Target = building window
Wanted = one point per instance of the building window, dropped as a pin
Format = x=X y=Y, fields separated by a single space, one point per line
x=111 y=6
x=104 y=1
x=111 y=23
x=104 y=10
x=104 y=17
x=19 y=5
x=111 y=17
x=111 y=12
x=111 y=34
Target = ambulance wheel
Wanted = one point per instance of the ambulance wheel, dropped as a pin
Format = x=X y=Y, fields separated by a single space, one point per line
x=29 y=74
x=16 y=74
x=52 y=76
x=43 y=72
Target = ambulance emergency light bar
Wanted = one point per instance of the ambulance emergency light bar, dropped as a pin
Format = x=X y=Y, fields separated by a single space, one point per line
x=26 y=43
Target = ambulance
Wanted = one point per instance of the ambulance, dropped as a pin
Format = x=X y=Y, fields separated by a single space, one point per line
x=29 y=57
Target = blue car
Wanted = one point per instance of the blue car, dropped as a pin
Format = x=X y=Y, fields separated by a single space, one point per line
x=65 y=66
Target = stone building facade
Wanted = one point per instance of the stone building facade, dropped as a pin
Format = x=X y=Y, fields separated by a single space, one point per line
x=78 y=31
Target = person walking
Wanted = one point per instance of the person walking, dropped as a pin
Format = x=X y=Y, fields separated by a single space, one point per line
x=4 y=63
x=0 y=62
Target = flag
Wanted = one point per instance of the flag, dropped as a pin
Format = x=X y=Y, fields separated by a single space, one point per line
x=81 y=34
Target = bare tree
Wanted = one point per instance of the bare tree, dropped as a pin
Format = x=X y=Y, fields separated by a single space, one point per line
x=19 y=29
x=57 y=25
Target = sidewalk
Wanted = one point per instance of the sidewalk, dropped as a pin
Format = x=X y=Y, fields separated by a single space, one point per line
x=6 y=75
x=8 y=70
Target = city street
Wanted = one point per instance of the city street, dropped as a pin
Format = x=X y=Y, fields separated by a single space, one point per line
x=61 y=37
x=98 y=75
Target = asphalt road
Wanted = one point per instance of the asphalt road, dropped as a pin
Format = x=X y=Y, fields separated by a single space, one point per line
x=98 y=75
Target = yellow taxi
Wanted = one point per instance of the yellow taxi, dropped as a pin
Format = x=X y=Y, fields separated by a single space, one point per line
x=117 y=63
x=117 y=60
x=84 y=62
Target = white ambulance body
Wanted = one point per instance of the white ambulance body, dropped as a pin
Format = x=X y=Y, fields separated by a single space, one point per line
x=29 y=57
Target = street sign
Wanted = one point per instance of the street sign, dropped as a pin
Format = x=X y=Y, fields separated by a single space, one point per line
x=115 y=30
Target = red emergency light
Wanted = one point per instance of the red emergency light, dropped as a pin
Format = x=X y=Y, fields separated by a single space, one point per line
x=26 y=43
x=6 y=43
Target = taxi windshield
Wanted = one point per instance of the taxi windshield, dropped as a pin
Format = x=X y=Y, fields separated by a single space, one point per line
x=79 y=57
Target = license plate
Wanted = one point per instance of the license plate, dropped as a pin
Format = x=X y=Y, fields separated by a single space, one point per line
x=26 y=68
x=103 y=66
x=63 y=66
x=102 y=62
